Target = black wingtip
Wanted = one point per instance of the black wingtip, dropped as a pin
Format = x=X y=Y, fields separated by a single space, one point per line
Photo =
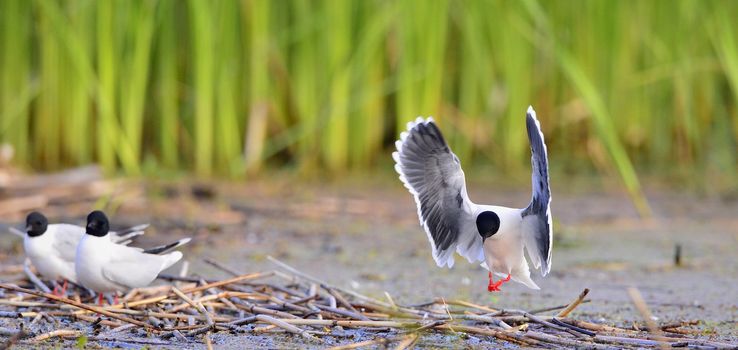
x=429 y=128
x=167 y=247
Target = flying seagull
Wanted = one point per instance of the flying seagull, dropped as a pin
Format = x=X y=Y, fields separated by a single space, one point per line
x=492 y=234
x=105 y=266
x=52 y=247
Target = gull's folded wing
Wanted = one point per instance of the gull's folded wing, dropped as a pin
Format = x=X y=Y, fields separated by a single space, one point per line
x=132 y=268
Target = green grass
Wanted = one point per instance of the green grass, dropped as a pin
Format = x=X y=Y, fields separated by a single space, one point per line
x=202 y=33
x=166 y=96
x=230 y=88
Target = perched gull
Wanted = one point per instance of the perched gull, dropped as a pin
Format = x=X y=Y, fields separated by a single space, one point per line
x=52 y=248
x=492 y=234
x=105 y=266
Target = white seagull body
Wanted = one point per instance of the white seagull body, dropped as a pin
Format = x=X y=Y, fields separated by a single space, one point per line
x=494 y=235
x=53 y=251
x=106 y=266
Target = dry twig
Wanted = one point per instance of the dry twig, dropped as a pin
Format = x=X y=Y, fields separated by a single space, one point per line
x=573 y=305
x=640 y=304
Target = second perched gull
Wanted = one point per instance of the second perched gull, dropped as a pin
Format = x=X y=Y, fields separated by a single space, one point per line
x=493 y=234
x=105 y=266
x=52 y=247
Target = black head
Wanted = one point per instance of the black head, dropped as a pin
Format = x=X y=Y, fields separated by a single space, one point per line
x=36 y=224
x=488 y=223
x=97 y=224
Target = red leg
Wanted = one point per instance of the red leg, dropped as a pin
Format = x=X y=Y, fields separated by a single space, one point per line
x=491 y=287
x=56 y=289
x=115 y=299
x=100 y=299
x=502 y=281
x=64 y=288
x=495 y=286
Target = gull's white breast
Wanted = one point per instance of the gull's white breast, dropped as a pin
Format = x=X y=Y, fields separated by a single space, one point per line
x=503 y=250
x=92 y=254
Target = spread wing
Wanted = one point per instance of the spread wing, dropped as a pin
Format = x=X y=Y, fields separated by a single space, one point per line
x=433 y=175
x=537 y=233
x=132 y=268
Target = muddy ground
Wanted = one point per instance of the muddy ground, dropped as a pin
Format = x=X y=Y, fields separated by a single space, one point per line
x=365 y=236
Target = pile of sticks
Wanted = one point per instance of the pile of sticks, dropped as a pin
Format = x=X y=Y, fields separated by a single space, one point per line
x=319 y=315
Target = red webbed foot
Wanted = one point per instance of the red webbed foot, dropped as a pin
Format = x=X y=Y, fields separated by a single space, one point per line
x=495 y=286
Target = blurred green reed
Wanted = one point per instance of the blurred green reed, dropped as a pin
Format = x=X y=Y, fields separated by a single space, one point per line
x=228 y=87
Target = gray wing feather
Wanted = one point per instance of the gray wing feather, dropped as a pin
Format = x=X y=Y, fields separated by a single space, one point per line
x=132 y=268
x=433 y=175
x=16 y=232
x=128 y=234
x=69 y=234
x=66 y=239
x=125 y=236
x=537 y=228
